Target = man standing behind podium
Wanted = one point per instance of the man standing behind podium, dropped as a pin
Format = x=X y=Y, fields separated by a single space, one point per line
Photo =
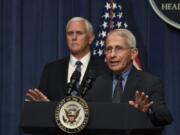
x=79 y=34
x=125 y=84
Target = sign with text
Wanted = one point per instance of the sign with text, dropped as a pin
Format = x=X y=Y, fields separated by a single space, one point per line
x=167 y=10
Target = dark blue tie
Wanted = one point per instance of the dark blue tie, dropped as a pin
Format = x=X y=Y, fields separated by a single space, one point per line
x=78 y=68
x=118 y=90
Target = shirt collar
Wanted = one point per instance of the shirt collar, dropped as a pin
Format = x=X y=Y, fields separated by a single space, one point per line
x=124 y=74
x=84 y=60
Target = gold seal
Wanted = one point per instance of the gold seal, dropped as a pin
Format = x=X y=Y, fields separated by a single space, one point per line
x=72 y=114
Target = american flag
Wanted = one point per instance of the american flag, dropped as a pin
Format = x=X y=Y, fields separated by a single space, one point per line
x=112 y=18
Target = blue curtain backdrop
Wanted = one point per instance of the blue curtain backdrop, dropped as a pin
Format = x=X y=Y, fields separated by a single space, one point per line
x=32 y=33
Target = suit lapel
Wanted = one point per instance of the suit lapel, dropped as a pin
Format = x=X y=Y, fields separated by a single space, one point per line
x=63 y=74
x=107 y=86
x=102 y=89
x=131 y=85
x=90 y=66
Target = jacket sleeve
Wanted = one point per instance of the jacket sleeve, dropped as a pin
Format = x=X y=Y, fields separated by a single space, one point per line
x=160 y=114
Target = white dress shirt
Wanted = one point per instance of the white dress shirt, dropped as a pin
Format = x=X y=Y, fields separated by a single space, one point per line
x=72 y=66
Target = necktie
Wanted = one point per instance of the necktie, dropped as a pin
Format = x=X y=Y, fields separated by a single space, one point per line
x=78 y=68
x=118 y=90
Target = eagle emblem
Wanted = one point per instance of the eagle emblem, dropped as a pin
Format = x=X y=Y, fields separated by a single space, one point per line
x=71 y=115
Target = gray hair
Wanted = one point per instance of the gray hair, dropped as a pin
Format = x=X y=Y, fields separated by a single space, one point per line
x=89 y=27
x=126 y=34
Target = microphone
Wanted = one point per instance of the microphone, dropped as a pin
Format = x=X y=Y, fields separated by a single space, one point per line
x=73 y=81
x=88 y=83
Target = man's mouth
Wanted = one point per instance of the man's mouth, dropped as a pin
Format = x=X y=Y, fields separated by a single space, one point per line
x=74 y=44
x=114 y=63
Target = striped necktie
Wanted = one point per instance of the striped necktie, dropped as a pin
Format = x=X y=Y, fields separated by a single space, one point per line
x=78 y=68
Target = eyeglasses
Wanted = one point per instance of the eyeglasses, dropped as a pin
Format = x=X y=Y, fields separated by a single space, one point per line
x=117 y=49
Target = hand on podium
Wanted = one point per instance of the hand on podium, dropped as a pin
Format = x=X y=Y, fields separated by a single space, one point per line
x=142 y=102
x=36 y=95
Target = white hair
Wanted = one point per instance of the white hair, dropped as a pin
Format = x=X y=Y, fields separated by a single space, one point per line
x=89 y=27
x=125 y=33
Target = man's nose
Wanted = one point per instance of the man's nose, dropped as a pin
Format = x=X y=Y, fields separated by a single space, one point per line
x=74 y=36
x=113 y=53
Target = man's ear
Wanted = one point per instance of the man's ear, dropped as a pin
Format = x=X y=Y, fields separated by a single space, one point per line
x=105 y=60
x=134 y=53
x=91 y=38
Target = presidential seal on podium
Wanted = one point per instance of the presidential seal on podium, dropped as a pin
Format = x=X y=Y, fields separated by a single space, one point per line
x=72 y=114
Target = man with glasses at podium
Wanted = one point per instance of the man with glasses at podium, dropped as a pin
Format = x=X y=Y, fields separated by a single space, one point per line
x=125 y=84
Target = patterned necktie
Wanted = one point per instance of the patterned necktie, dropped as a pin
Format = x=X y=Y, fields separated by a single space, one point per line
x=78 y=68
x=118 y=90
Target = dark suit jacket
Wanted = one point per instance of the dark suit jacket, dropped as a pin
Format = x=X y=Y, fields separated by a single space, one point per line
x=137 y=80
x=53 y=81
